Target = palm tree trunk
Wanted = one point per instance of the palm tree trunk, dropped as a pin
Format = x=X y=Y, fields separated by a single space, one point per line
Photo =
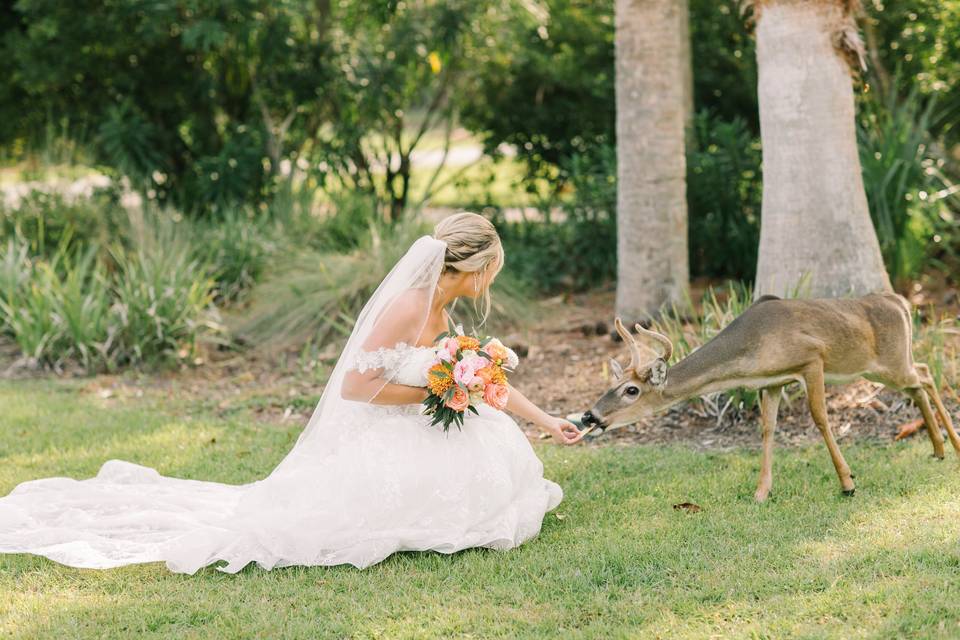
x=816 y=236
x=654 y=97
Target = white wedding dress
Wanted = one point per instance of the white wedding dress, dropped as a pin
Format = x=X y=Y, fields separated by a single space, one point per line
x=379 y=480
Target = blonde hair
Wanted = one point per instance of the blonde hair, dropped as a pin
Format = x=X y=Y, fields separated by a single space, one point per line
x=472 y=245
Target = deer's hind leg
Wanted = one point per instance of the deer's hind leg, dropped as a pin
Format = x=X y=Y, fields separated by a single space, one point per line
x=769 y=406
x=926 y=380
x=912 y=383
x=816 y=397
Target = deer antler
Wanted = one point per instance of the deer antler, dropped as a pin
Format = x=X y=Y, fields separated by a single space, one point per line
x=637 y=356
x=631 y=342
x=658 y=337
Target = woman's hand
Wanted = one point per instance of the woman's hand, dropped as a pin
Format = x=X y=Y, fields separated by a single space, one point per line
x=562 y=431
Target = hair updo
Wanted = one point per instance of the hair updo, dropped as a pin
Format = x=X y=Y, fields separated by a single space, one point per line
x=472 y=246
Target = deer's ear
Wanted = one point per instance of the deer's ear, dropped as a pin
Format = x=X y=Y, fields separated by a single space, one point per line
x=657 y=375
x=616 y=369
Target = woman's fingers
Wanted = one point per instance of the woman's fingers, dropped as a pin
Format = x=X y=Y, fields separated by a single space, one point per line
x=571 y=433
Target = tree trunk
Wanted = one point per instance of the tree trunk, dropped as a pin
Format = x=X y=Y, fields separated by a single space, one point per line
x=816 y=236
x=654 y=94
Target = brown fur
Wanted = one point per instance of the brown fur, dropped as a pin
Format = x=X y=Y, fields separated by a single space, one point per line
x=775 y=342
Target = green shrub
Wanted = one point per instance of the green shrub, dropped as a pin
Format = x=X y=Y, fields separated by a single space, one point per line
x=16 y=270
x=58 y=310
x=49 y=221
x=578 y=249
x=914 y=205
x=28 y=312
x=237 y=244
x=83 y=313
x=149 y=304
x=163 y=294
x=724 y=188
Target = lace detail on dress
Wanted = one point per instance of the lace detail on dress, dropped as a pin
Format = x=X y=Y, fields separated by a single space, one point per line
x=388 y=359
x=402 y=364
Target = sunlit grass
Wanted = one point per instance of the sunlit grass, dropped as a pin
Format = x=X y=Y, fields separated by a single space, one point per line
x=614 y=560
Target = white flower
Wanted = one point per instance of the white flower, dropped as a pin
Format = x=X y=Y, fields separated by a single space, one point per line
x=512 y=359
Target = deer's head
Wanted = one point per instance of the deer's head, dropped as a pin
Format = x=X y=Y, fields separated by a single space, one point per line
x=635 y=392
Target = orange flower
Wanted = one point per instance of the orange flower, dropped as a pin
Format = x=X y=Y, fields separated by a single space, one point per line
x=492 y=373
x=439 y=380
x=468 y=343
x=486 y=374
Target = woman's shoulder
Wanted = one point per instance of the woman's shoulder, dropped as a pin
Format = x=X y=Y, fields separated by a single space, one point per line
x=410 y=303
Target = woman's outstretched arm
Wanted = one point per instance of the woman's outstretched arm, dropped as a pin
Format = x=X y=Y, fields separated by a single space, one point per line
x=562 y=431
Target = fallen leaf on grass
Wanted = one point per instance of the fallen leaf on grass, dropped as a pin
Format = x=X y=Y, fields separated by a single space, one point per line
x=907 y=429
x=687 y=506
x=559 y=516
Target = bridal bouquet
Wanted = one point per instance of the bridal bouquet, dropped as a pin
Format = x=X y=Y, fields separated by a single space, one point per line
x=466 y=371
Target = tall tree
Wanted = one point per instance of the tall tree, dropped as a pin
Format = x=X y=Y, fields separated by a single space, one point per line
x=815 y=231
x=653 y=87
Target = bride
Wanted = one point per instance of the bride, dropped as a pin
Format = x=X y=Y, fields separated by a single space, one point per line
x=368 y=476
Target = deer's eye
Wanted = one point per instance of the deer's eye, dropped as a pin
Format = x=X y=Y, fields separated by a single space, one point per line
x=632 y=391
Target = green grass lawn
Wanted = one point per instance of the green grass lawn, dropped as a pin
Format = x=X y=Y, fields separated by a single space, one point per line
x=615 y=560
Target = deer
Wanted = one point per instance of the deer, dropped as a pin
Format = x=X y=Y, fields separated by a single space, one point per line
x=773 y=343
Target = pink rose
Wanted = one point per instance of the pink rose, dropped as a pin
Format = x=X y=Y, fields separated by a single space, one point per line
x=496 y=395
x=451 y=345
x=464 y=371
x=478 y=362
x=460 y=400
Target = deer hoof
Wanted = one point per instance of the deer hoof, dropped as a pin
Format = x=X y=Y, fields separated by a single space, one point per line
x=937 y=457
x=848 y=492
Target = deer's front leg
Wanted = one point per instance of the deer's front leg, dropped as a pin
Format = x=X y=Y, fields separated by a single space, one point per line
x=769 y=406
x=816 y=397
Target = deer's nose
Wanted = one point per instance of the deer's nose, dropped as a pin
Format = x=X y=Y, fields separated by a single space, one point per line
x=590 y=420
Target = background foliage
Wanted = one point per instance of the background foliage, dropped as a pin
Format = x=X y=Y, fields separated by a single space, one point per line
x=279 y=137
